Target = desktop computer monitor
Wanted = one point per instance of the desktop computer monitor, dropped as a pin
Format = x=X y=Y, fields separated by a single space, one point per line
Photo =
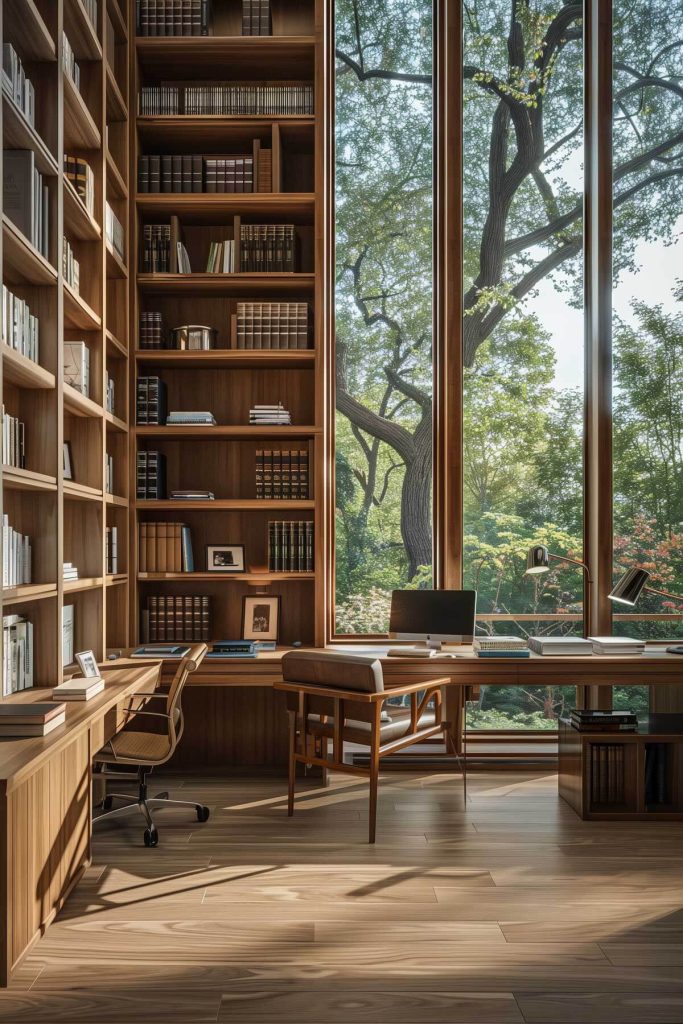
x=433 y=616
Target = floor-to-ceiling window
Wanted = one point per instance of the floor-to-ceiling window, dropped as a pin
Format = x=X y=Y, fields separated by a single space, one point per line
x=383 y=306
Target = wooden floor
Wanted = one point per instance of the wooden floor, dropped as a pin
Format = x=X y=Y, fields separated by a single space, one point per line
x=508 y=910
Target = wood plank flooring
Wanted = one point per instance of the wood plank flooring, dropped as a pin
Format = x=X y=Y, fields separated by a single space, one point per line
x=508 y=909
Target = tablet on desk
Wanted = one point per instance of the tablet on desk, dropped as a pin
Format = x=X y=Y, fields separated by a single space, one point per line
x=161 y=651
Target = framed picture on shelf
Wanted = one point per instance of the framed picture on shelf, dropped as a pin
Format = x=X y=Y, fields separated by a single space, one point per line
x=225 y=558
x=68 y=461
x=261 y=617
x=87 y=662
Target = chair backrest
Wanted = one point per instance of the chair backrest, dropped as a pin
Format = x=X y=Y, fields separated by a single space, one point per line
x=189 y=664
x=334 y=669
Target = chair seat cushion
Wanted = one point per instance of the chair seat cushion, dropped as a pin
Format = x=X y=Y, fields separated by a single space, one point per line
x=359 y=732
x=136 y=747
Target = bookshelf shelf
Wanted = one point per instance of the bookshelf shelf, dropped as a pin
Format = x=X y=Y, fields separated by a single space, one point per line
x=233 y=577
x=16 y=479
x=80 y=130
x=291 y=54
x=88 y=583
x=227 y=284
x=22 y=263
x=18 y=134
x=229 y=357
x=214 y=130
x=37 y=42
x=115 y=348
x=23 y=372
x=77 y=312
x=116 y=104
x=294 y=206
x=118 y=21
x=78 y=223
x=218 y=433
x=28 y=592
x=116 y=580
x=80 y=31
x=81 y=492
x=79 y=405
x=114 y=423
x=115 y=178
x=116 y=500
x=115 y=267
x=227 y=505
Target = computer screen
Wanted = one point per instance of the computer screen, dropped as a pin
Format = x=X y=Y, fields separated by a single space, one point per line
x=436 y=615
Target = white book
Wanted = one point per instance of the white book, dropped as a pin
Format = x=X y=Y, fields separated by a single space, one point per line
x=81 y=688
x=560 y=645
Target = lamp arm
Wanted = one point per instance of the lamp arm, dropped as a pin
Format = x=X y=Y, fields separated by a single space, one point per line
x=664 y=593
x=574 y=561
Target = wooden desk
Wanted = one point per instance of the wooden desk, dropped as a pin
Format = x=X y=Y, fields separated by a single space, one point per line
x=46 y=807
x=234 y=718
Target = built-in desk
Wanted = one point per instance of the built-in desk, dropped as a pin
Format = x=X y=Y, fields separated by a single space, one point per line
x=46 y=807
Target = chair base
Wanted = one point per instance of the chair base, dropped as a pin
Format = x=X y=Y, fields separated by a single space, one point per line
x=143 y=804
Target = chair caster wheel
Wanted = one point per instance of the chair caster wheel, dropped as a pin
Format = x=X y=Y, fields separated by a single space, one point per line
x=202 y=814
x=151 y=837
x=107 y=803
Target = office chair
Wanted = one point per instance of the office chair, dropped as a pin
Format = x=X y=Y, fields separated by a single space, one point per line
x=341 y=696
x=148 y=750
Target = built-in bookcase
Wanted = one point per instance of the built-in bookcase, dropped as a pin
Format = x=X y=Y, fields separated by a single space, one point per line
x=87 y=121
x=227 y=380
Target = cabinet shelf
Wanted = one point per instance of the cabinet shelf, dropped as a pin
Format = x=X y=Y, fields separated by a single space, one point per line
x=80 y=31
x=77 y=221
x=23 y=372
x=235 y=577
x=18 y=134
x=237 y=358
x=117 y=109
x=116 y=500
x=227 y=284
x=87 y=583
x=21 y=261
x=117 y=21
x=115 y=178
x=116 y=268
x=79 y=405
x=77 y=312
x=296 y=52
x=80 y=130
x=116 y=348
x=205 y=205
x=219 y=433
x=17 y=479
x=207 y=131
x=28 y=592
x=81 y=492
x=227 y=505
x=36 y=41
x=114 y=423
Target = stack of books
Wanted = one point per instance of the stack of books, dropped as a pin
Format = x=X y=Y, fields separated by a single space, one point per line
x=560 y=645
x=587 y=720
x=69 y=572
x=80 y=688
x=255 y=17
x=281 y=474
x=198 y=418
x=290 y=546
x=500 y=647
x=113 y=233
x=151 y=476
x=172 y=17
x=179 y=617
x=232 y=649
x=16 y=556
x=20 y=328
x=16 y=85
x=221 y=258
x=156 y=248
x=270 y=415
x=77 y=366
x=69 y=63
x=152 y=331
x=150 y=405
x=17 y=651
x=279 y=325
x=616 y=645
x=71 y=268
x=13 y=441
x=165 y=547
x=26 y=199
x=193 y=494
x=267 y=248
x=38 y=719
x=81 y=176
x=111 y=550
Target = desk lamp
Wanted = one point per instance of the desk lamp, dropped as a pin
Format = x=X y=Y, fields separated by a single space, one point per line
x=630 y=587
x=538 y=561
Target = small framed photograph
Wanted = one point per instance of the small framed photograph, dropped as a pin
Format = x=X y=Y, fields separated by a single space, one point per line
x=260 y=617
x=68 y=461
x=87 y=662
x=225 y=558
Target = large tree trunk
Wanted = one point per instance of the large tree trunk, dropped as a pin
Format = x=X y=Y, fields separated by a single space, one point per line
x=416 y=500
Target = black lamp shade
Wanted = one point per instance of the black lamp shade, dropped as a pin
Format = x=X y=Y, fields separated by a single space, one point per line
x=537 y=560
x=628 y=589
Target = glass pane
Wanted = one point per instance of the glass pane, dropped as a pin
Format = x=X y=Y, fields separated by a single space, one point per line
x=383 y=306
x=647 y=307
x=516 y=707
x=523 y=321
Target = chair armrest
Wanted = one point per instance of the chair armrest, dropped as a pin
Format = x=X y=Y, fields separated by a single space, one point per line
x=425 y=684
x=152 y=714
x=149 y=696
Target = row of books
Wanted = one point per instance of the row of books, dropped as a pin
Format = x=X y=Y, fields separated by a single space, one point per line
x=150 y=405
x=267 y=248
x=165 y=547
x=229 y=99
x=256 y=18
x=607 y=773
x=180 y=617
x=81 y=176
x=290 y=546
x=20 y=328
x=77 y=366
x=108 y=473
x=17 y=664
x=68 y=633
x=172 y=17
x=110 y=395
x=156 y=249
x=16 y=556
x=272 y=325
x=195 y=173
x=71 y=268
x=281 y=473
x=13 y=441
x=270 y=415
x=150 y=476
x=91 y=10
x=152 y=331
x=26 y=199
x=111 y=550
x=16 y=85
x=221 y=259
x=113 y=232
x=69 y=572
x=69 y=62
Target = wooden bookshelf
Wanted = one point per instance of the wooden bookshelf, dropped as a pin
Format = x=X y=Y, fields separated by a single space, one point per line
x=227 y=380
x=66 y=519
